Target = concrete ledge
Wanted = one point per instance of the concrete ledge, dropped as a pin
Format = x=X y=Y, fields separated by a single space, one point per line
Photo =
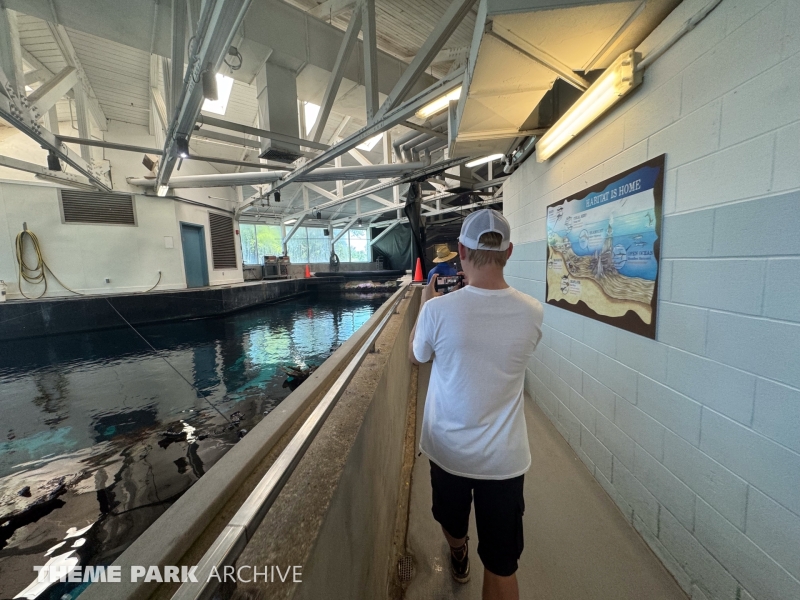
x=336 y=516
x=177 y=530
x=50 y=316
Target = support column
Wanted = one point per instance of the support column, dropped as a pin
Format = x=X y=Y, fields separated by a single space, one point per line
x=11 y=51
x=370 y=58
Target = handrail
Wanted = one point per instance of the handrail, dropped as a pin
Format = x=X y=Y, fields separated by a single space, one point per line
x=231 y=542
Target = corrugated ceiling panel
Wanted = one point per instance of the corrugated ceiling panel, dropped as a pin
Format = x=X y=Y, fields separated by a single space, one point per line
x=120 y=76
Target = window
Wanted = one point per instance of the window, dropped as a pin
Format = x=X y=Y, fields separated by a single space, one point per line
x=353 y=246
x=259 y=241
x=308 y=244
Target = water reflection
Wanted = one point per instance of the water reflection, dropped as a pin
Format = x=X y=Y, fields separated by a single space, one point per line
x=99 y=430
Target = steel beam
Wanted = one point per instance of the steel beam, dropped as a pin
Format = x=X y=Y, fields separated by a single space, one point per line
x=370 y=57
x=11 y=52
x=218 y=22
x=349 y=41
x=383 y=233
x=19 y=115
x=344 y=230
x=177 y=54
x=71 y=58
x=42 y=172
x=498 y=134
x=247 y=129
x=330 y=9
x=46 y=95
x=513 y=41
x=392 y=118
x=416 y=174
x=613 y=39
x=444 y=28
x=293 y=230
x=423 y=129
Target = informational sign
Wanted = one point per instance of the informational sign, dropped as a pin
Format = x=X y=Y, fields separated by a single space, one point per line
x=603 y=249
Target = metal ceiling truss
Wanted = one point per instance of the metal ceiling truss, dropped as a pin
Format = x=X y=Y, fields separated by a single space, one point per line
x=44 y=173
x=370 y=47
x=416 y=174
x=218 y=22
x=444 y=28
x=17 y=110
x=335 y=79
x=262 y=133
x=389 y=120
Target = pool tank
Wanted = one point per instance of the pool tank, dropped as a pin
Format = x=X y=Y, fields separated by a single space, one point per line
x=101 y=433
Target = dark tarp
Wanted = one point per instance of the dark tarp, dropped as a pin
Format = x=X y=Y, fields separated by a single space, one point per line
x=394 y=247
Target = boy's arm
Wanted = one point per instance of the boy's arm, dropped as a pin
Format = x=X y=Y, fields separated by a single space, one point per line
x=428 y=292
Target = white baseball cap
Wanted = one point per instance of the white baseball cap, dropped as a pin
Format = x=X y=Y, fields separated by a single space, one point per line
x=483 y=221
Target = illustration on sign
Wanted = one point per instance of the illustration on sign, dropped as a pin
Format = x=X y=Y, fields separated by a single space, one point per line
x=603 y=247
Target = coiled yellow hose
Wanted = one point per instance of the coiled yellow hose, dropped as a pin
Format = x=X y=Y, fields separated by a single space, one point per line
x=37 y=273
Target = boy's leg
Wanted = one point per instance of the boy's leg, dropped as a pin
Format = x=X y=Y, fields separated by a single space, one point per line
x=499 y=506
x=452 y=502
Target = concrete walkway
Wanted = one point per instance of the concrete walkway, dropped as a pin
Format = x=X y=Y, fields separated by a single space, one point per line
x=577 y=543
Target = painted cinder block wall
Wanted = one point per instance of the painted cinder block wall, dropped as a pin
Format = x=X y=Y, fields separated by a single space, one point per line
x=696 y=435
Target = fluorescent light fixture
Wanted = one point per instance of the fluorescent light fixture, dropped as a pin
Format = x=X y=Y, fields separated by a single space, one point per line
x=290 y=222
x=484 y=160
x=439 y=104
x=162 y=190
x=311 y=112
x=370 y=143
x=615 y=82
x=224 y=87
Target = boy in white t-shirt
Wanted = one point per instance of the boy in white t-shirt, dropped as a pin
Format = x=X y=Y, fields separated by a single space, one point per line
x=481 y=338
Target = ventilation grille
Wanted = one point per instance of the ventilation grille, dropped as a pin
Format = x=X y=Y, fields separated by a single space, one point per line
x=223 y=244
x=97 y=207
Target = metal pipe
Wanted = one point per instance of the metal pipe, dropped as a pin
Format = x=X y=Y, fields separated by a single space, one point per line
x=379 y=171
x=233 y=539
x=521 y=154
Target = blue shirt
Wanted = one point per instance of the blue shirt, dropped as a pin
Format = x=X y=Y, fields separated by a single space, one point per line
x=442 y=270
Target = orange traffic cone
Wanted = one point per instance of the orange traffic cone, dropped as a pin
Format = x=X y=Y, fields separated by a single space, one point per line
x=418 y=272
x=308 y=272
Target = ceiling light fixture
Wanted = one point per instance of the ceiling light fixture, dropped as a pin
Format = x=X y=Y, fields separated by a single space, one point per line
x=224 y=86
x=290 y=222
x=439 y=104
x=162 y=190
x=182 y=144
x=484 y=160
x=615 y=82
x=358 y=222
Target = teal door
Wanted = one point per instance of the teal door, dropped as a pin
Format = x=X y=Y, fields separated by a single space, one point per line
x=193 y=240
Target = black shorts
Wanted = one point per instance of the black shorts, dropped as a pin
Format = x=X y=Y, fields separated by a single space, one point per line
x=499 y=507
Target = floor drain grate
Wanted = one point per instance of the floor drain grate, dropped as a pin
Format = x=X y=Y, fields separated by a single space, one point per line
x=405 y=569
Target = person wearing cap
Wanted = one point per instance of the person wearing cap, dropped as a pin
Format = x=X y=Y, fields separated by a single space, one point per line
x=443 y=258
x=480 y=339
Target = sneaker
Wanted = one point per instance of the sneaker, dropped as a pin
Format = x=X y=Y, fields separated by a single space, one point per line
x=459 y=563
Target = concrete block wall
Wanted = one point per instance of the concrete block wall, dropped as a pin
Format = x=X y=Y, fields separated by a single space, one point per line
x=696 y=435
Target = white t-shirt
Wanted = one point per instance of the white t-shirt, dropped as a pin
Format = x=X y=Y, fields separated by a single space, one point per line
x=481 y=340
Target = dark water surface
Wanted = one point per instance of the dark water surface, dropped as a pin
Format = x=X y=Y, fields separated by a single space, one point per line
x=99 y=434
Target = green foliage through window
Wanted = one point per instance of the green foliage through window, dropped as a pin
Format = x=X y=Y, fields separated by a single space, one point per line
x=307 y=245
